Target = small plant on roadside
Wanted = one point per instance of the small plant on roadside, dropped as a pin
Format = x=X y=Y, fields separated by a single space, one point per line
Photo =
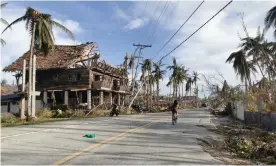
x=68 y=113
x=44 y=113
x=8 y=118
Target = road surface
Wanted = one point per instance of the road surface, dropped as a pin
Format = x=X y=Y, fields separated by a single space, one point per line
x=137 y=139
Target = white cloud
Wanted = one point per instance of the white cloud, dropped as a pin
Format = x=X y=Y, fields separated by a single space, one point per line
x=131 y=19
x=18 y=39
x=135 y=24
x=119 y=13
x=72 y=26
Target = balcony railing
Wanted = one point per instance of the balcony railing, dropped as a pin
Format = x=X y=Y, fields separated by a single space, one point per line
x=119 y=88
x=101 y=85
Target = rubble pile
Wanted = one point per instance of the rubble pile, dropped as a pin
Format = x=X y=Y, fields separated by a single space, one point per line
x=247 y=142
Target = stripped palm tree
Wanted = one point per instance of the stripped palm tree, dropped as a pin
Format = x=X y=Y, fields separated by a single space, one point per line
x=146 y=73
x=131 y=65
x=258 y=48
x=242 y=67
x=195 y=78
x=158 y=75
x=189 y=85
x=40 y=27
x=185 y=72
x=125 y=63
x=172 y=80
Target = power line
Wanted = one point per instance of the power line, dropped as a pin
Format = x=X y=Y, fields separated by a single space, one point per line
x=139 y=88
x=165 y=22
x=154 y=15
x=179 y=29
x=142 y=16
x=196 y=31
x=159 y=19
x=143 y=13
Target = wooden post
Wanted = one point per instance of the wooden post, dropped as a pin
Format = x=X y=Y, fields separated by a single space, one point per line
x=123 y=100
x=89 y=103
x=33 y=86
x=89 y=106
x=45 y=97
x=101 y=97
x=111 y=98
x=66 y=97
x=22 y=101
x=119 y=99
x=80 y=96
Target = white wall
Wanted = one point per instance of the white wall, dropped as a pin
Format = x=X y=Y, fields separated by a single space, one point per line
x=15 y=107
x=239 y=110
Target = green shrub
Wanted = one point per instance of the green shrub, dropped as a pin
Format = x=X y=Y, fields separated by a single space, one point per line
x=8 y=118
x=68 y=113
x=44 y=113
x=62 y=107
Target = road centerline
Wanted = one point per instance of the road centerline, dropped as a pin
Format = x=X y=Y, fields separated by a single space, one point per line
x=114 y=138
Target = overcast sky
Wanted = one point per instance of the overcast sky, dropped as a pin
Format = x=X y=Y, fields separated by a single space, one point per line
x=115 y=26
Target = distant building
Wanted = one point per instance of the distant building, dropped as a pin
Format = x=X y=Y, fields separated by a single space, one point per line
x=189 y=99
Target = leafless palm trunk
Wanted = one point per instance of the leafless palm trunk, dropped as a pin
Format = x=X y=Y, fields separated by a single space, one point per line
x=30 y=109
x=157 y=89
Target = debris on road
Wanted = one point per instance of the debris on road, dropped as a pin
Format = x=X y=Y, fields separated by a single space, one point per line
x=90 y=135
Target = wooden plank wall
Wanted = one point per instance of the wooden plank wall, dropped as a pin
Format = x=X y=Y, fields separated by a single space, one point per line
x=45 y=79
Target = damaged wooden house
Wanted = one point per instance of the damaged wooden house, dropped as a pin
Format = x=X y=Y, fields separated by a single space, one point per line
x=74 y=75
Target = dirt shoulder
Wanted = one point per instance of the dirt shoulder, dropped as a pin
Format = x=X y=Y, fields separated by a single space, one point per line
x=237 y=143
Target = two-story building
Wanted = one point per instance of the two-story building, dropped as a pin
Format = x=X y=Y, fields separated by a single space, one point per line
x=73 y=75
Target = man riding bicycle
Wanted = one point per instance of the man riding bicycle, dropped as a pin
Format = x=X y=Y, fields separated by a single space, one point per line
x=173 y=109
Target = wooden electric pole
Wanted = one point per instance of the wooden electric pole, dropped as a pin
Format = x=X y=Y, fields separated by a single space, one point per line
x=139 y=47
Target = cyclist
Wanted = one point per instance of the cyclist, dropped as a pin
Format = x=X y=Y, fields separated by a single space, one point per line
x=173 y=109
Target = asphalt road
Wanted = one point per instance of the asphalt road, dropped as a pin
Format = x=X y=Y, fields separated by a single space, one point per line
x=138 y=139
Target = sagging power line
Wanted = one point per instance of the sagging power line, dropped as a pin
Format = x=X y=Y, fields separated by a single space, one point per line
x=159 y=19
x=141 y=85
x=195 y=31
x=169 y=16
x=179 y=29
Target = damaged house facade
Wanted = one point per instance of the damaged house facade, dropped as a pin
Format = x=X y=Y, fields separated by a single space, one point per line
x=73 y=75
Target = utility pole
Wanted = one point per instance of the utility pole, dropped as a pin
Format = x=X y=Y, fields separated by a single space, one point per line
x=139 y=47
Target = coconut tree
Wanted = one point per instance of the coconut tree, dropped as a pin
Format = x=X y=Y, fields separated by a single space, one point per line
x=185 y=72
x=189 y=84
x=259 y=49
x=146 y=67
x=242 y=67
x=195 y=78
x=125 y=63
x=176 y=79
x=270 y=19
x=158 y=75
x=172 y=80
x=40 y=27
x=3 y=21
x=131 y=64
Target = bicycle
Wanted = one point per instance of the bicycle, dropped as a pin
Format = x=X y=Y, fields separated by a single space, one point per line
x=174 y=118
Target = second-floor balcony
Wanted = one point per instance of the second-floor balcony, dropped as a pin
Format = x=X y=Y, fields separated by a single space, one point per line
x=119 y=88
x=101 y=85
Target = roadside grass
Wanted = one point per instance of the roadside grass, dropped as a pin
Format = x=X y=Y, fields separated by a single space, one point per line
x=10 y=121
x=45 y=116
